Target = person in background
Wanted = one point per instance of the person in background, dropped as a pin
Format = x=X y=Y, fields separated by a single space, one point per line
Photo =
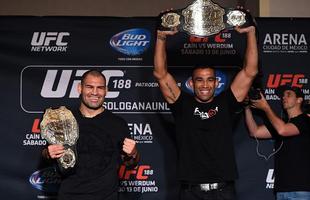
x=292 y=138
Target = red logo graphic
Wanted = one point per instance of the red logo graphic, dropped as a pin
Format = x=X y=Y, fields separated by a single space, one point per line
x=219 y=38
x=141 y=172
x=275 y=80
x=36 y=126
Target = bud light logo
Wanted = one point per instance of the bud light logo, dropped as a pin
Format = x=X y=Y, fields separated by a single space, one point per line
x=131 y=42
x=188 y=87
x=47 y=180
x=222 y=81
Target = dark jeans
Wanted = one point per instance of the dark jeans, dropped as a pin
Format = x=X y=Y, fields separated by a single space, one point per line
x=225 y=193
x=298 y=195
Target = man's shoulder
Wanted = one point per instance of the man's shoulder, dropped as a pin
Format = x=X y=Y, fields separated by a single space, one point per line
x=302 y=116
x=74 y=110
x=301 y=121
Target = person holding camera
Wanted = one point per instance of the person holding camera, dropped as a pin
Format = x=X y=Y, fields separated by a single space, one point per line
x=292 y=138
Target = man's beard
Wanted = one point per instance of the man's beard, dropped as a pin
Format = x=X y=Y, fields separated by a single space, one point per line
x=89 y=106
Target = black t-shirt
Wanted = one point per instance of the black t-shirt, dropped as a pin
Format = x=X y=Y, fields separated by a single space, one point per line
x=292 y=163
x=205 y=139
x=98 y=157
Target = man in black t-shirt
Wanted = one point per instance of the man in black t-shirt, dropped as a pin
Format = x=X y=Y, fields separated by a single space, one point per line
x=103 y=142
x=292 y=138
x=206 y=162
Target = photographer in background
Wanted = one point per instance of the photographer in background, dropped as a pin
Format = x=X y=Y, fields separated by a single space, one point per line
x=292 y=138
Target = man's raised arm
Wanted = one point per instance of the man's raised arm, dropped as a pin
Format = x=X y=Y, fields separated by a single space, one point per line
x=167 y=83
x=243 y=80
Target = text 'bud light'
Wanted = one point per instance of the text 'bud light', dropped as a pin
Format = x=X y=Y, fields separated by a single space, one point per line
x=222 y=81
x=131 y=42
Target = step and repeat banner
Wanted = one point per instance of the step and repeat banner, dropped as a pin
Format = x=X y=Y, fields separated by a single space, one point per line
x=42 y=60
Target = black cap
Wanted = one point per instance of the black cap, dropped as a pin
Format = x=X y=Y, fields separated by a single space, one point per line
x=281 y=89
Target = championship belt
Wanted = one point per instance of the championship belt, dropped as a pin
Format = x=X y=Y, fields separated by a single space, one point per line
x=60 y=127
x=204 y=18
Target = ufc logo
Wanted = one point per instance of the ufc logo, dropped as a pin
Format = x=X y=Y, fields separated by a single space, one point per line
x=275 y=80
x=219 y=38
x=45 y=38
x=142 y=172
x=65 y=80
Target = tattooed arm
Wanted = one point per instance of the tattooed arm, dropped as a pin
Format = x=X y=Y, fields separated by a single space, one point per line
x=167 y=83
